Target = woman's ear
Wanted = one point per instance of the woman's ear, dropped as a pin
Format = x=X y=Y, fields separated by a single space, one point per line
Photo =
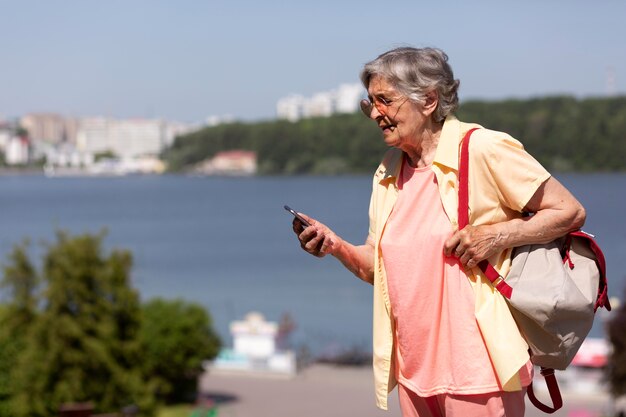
x=431 y=101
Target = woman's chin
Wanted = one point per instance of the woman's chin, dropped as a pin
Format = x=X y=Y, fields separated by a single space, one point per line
x=391 y=140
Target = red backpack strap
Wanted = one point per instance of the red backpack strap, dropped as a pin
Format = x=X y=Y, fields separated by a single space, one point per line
x=553 y=390
x=463 y=210
x=463 y=215
x=602 y=300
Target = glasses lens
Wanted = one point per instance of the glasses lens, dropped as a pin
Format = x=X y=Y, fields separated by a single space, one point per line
x=366 y=107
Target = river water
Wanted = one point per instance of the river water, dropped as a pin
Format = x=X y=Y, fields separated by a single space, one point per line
x=227 y=243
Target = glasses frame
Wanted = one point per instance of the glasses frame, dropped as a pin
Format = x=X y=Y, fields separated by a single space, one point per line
x=382 y=105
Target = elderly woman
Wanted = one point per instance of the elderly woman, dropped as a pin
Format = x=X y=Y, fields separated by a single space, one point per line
x=441 y=331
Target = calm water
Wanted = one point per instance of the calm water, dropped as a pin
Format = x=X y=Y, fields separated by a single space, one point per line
x=227 y=242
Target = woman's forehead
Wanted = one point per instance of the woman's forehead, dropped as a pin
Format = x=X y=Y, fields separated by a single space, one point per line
x=380 y=85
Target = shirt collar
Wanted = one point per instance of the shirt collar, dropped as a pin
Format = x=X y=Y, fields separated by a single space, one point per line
x=389 y=168
x=447 y=153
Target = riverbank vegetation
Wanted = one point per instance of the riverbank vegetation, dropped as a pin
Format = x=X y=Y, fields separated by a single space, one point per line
x=564 y=133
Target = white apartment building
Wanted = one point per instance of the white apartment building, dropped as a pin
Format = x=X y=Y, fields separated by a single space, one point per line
x=291 y=107
x=344 y=99
x=17 y=151
x=348 y=98
x=135 y=138
x=125 y=138
x=93 y=135
x=320 y=105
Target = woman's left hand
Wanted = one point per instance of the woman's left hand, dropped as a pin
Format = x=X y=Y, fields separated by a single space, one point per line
x=474 y=243
x=556 y=212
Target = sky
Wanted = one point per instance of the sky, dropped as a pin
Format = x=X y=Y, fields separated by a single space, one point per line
x=186 y=60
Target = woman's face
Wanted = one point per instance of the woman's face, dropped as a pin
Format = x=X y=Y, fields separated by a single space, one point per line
x=400 y=119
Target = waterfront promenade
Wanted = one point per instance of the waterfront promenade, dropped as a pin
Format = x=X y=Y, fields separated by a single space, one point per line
x=329 y=391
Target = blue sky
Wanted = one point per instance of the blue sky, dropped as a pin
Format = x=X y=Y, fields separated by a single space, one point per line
x=186 y=60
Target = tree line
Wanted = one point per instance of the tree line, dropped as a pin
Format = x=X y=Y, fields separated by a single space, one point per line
x=564 y=133
x=75 y=331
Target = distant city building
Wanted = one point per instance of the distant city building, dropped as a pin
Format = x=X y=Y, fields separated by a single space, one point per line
x=291 y=107
x=348 y=98
x=320 y=105
x=50 y=127
x=97 y=145
x=344 y=99
x=93 y=135
x=124 y=138
x=5 y=135
x=17 y=151
x=134 y=138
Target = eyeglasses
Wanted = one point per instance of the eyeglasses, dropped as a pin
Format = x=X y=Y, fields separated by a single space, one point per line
x=382 y=105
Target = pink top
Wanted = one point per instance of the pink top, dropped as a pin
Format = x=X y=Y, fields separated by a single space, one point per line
x=439 y=348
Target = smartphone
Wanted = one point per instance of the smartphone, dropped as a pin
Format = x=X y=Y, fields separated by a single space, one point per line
x=297 y=216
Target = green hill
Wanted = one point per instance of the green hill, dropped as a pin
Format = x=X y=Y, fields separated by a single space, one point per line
x=564 y=133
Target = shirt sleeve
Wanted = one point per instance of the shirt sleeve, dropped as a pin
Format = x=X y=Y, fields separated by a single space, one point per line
x=516 y=174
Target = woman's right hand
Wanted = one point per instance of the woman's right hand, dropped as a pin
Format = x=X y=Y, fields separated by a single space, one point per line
x=319 y=240
x=316 y=239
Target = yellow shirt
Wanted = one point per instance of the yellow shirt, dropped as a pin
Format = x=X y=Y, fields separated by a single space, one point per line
x=502 y=179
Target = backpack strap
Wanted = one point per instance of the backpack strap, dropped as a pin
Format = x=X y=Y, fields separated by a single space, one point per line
x=602 y=300
x=497 y=280
x=463 y=214
x=553 y=389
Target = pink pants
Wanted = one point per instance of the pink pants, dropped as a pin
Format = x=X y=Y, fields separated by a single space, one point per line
x=493 y=404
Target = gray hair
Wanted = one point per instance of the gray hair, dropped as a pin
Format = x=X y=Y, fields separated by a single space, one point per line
x=416 y=72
